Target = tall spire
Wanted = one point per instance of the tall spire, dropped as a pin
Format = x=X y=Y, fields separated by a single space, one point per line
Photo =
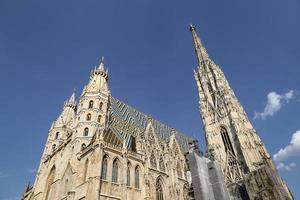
x=199 y=48
x=230 y=137
x=206 y=73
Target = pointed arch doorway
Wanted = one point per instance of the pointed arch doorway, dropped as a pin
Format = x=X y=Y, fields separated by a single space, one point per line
x=159 y=190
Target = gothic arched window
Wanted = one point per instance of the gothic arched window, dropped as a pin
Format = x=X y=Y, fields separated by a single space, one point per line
x=66 y=181
x=226 y=140
x=88 y=117
x=86 y=131
x=99 y=118
x=53 y=147
x=210 y=90
x=104 y=168
x=49 y=183
x=83 y=146
x=101 y=105
x=162 y=164
x=115 y=171
x=91 y=104
x=159 y=191
x=137 y=177
x=56 y=135
x=179 y=170
x=128 y=174
x=153 y=163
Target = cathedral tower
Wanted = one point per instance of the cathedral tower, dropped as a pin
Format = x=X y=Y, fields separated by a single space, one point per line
x=93 y=104
x=230 y=136
x=102 y=148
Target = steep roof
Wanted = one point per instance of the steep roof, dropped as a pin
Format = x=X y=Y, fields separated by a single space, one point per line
x=126 y=122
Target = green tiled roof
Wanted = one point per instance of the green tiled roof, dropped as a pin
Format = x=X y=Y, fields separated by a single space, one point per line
x=131 y=121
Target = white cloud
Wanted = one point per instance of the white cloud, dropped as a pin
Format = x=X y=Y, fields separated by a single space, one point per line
x=274 y=104
x=291 y=149
x=283 y=167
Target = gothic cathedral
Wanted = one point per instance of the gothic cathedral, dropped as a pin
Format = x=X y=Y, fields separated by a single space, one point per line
x=102 y=148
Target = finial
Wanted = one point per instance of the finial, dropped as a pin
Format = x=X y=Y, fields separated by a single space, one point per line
x=192 y=27
x=101 y=66
x=72 y=99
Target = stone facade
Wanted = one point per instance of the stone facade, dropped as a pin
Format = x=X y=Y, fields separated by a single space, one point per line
x=231 y=139
x=101 y=148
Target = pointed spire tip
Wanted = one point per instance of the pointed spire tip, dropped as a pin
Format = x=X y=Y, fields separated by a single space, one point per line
x=72 y=97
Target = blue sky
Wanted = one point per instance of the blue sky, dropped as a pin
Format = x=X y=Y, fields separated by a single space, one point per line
x=49 y=47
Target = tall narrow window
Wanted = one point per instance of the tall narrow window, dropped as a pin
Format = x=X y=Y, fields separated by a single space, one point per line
x=66 y=181
x=209 y=88
x=159 y=191
x=49 y=183
x=104 y=168
x=56 y=135
x=91 y=104
x=88 y=117
x=99 y=118
x=226 y=140
x=115 y=171
x=137 y=177
x=179 y=170
x=153 y=163
x=86 y=131
x=53 y=147
x=211 y=91
x=162 y=164
x=128 y=174
x=101 y=106
x=133 y=144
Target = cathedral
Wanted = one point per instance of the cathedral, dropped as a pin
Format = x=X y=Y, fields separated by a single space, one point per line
x=101 y=148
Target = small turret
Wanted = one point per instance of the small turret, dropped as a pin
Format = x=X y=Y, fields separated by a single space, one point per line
x=71 y=102
x=68 y=113
x=93 y=106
